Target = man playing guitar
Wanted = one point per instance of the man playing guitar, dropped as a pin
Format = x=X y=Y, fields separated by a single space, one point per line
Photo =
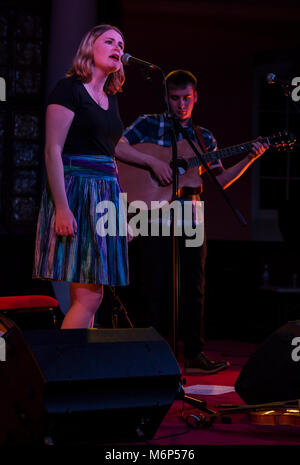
x=155 y=251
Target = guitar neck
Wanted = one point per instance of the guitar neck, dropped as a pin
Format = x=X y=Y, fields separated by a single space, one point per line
x=224 y=153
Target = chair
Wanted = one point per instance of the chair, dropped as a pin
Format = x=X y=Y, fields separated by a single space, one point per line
x=30 y=311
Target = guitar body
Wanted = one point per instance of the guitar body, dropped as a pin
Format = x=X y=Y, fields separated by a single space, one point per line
x=141 y=184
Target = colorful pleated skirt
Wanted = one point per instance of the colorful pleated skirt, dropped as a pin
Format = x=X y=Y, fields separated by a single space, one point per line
x=97 y=254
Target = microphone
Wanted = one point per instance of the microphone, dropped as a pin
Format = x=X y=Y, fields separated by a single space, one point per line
x=126 y=59
x=271 y=78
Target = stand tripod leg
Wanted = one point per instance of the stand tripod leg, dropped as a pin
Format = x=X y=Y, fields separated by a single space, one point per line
x=118 y=309
x=200 y=404
x=114 y=319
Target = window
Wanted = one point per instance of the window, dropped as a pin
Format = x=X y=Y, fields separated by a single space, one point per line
x=23 y=34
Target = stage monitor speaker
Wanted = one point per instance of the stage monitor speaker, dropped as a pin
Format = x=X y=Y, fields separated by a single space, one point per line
x=94 y=386
x=273 y=372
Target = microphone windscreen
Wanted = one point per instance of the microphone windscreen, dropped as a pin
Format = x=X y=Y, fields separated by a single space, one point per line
x=125 y=58
x=271 y=78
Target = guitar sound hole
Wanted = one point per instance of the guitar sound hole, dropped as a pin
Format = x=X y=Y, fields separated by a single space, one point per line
x=154 y=178
x=181 y=166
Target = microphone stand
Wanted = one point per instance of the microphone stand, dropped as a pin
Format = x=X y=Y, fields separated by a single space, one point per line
x=175 y=247
x=175 y=251
x=176 y=126
x=180 y=394
x=285 y=208
x=118 y=309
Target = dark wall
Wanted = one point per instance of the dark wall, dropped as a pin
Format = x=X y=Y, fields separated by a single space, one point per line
x=238 y=306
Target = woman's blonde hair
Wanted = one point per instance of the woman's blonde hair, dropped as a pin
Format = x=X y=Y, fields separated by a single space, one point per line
x=83 y=61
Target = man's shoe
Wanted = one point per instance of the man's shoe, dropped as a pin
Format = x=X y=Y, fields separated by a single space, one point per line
x=202 y=364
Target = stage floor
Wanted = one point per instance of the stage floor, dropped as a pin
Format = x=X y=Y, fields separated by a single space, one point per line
x=174 y=431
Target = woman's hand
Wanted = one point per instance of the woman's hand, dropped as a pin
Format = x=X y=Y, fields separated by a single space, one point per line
x=161 y=170
x=65 y=223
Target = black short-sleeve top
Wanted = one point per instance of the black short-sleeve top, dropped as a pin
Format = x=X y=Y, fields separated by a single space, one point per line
x=94 y=131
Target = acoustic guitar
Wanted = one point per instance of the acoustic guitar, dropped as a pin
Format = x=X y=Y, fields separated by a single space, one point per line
x=280 y=416
x=141 y=184
x=271 y=413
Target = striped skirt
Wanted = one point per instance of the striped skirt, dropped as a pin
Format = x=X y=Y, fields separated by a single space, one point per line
x=96 y=254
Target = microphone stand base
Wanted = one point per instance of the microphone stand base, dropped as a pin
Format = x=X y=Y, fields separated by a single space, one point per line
x=200 y=404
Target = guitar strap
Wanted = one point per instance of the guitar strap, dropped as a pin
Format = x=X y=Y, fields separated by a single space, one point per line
x=193 y=192
x=199 y=137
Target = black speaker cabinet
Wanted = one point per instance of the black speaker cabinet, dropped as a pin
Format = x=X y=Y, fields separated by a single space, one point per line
x=85 y=386
x=273 y=372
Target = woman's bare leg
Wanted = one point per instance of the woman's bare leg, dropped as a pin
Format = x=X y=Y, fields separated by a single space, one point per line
x=85 y=301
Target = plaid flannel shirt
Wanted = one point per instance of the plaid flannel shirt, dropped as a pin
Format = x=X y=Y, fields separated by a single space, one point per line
x=156 y=129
